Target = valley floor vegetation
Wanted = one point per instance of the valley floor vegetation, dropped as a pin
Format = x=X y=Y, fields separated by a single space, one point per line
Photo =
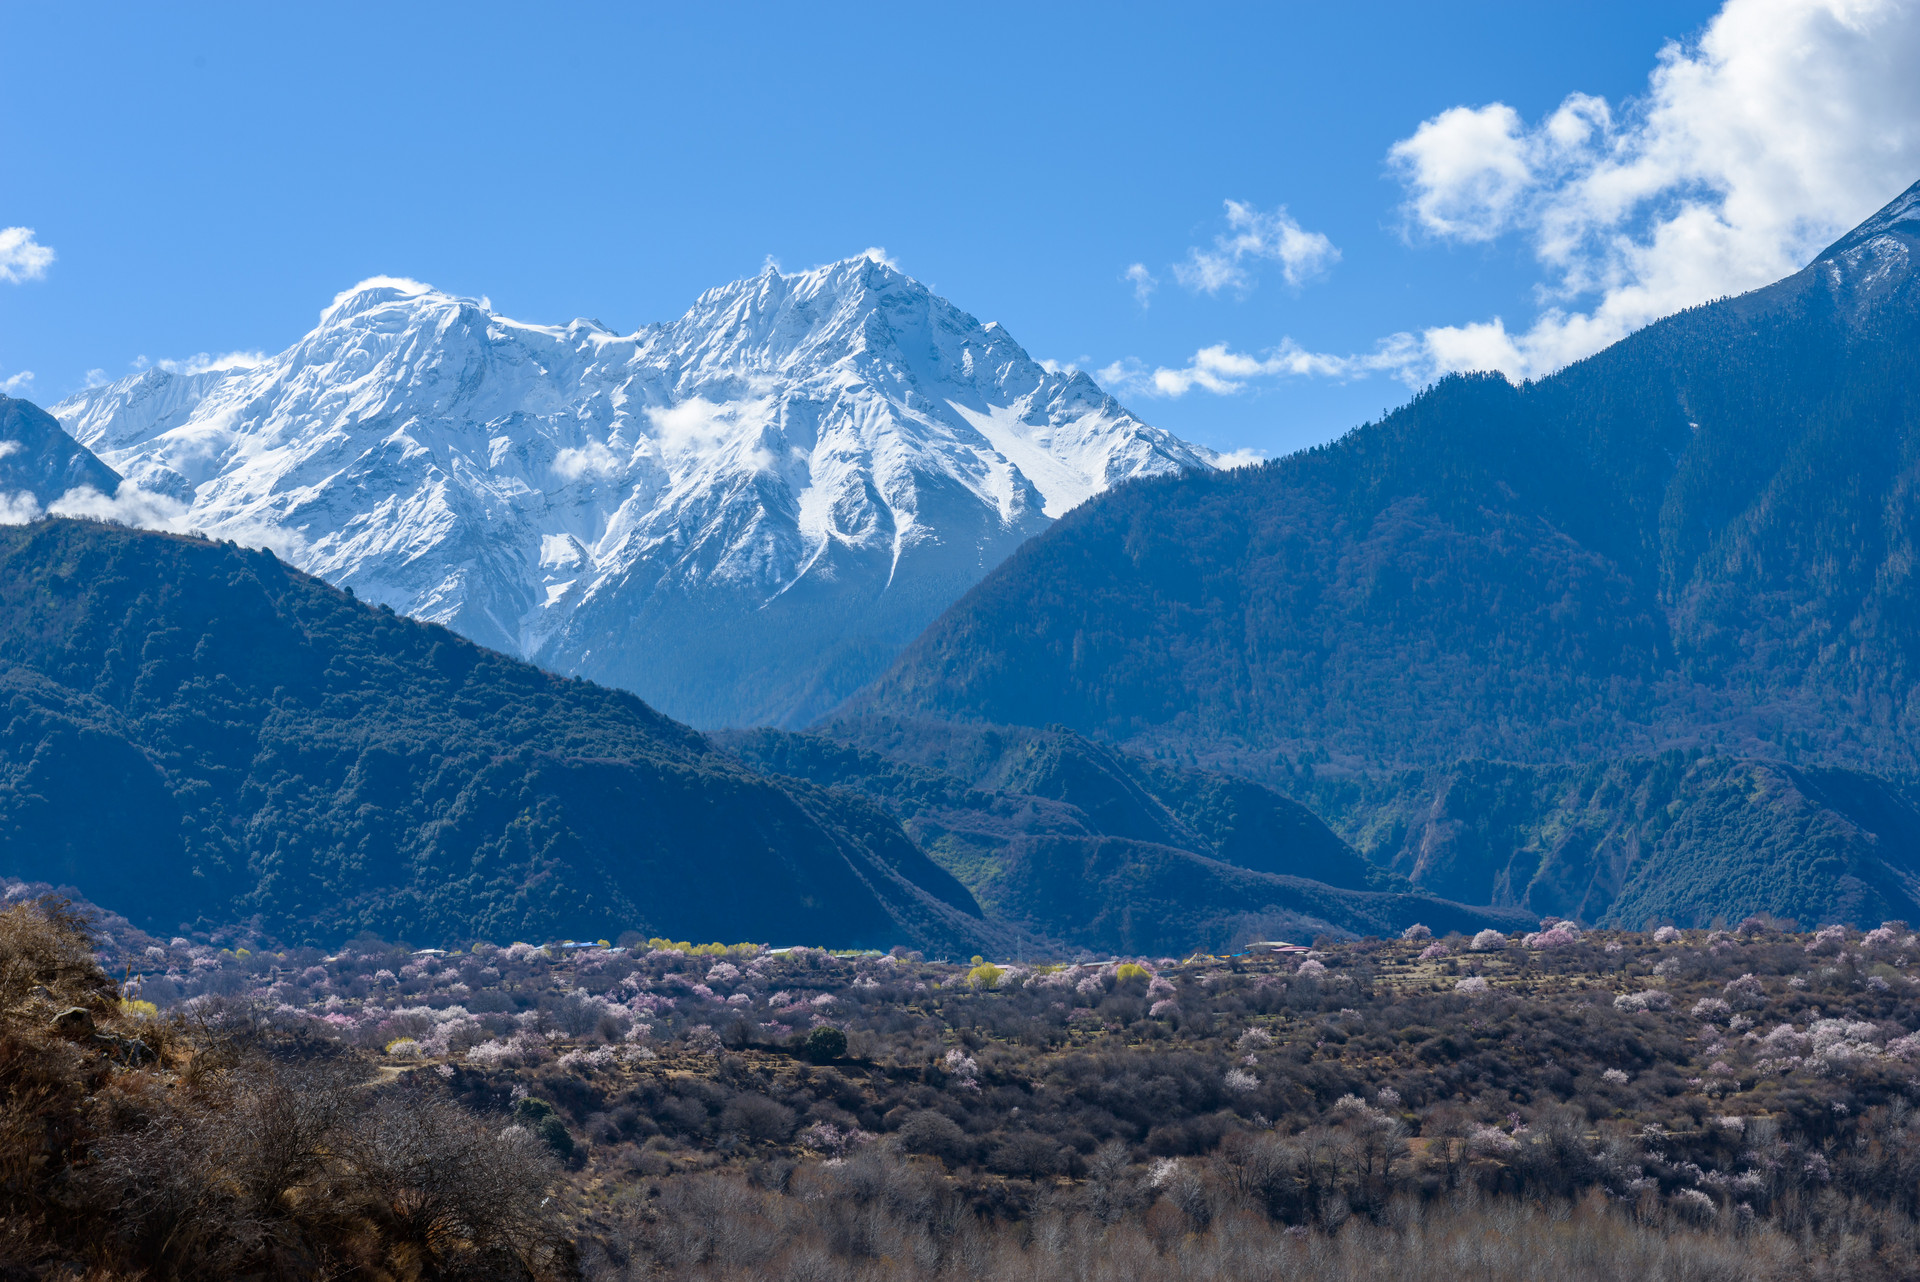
x=1559 y=1103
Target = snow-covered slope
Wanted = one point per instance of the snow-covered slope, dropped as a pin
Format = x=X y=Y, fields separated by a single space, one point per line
x=741 y=515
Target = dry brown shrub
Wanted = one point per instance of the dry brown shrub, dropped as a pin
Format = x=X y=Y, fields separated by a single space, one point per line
x=238 y=1152
x=47 y=964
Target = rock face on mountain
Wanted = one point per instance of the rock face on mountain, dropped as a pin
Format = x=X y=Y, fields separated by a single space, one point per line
x=39 y=459
x=1704 y=536
x=741 y=515
x=196 y=733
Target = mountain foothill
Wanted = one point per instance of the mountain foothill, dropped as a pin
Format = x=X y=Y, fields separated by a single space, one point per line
x=1635 y=643
x=199 y=735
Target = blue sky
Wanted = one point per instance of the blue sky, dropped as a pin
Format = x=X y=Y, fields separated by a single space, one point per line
x=208 y=177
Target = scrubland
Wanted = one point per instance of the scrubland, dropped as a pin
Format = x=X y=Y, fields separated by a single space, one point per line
x=1700 y=1104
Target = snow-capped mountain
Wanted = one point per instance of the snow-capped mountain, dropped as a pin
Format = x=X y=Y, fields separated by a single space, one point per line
x=741 y=515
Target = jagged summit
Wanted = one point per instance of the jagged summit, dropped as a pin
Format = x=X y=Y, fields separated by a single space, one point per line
x=742 y=514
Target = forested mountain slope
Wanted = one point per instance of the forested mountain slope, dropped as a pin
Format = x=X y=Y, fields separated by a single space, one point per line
x=1682 y=837
x=1102 y=851
x=39 y=459
x=195 y=732
x=1703 y=536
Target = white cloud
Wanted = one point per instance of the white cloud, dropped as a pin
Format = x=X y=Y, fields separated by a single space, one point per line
x=9 y=448
x=693 y=426
x=1239 y=458
x=1253 y=237
x=875 y=254
x=21 y=256
x=591 y=459
x=1470 y=170
x=1223 y=371
x=16 y=384
x=142 y=509
x=697 y=426
x=129 y=505
x=204 y=363
x=1143 y=282
x=1785 y=124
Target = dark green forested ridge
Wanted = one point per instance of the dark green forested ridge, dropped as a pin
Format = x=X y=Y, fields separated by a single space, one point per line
x=1103 y=851
x=1681 y=837
x=1703 y=536
x=1678 y=837
x=195 y=732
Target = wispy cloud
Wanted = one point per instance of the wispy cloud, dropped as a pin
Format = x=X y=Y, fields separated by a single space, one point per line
x=1252 y=238
x=16 y=384
x=1143 y=281
x=203 y=363
x=146 y=510
x=1223 y=371
x=22 y=258
x=592 y=459
x=129 y=505
x=875 y=254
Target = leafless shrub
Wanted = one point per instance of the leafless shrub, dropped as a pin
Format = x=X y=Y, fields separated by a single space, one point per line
x=836 y=1224
x=757 y=1118
x=448 y=1190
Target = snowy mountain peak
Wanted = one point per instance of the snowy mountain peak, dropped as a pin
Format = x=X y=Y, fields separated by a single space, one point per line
x=742 y=513
x=375 y=291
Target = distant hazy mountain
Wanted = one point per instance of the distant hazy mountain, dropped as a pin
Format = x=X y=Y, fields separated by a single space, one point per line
x=1706 y=535
x=196 y=733
x=742 y=515
x=38 y=458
